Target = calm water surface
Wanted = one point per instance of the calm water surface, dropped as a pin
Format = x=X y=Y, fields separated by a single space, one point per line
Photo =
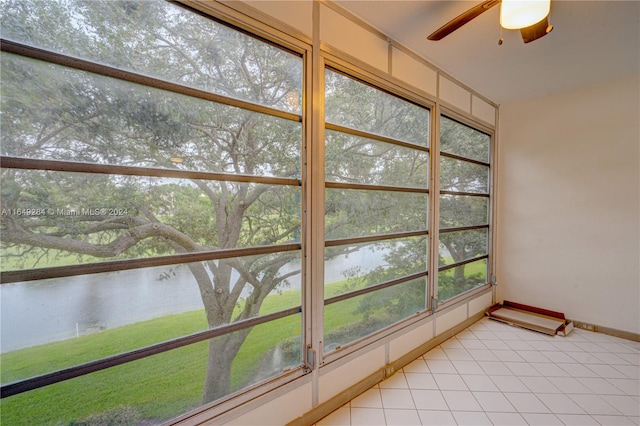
x=37 y=312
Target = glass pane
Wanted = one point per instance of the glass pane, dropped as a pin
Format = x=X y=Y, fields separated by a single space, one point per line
x=459 y=139
x=461 y=210
x=354 y=159
x=349 y=268
x=160 y=387
x=355 y=213
x=163 y=40
x=53 y=112
x=359 y=316
x=356 y=105
x=121 y=311
x=462 y=245
x=457 y=280
x=462 y=176
x=58 y=218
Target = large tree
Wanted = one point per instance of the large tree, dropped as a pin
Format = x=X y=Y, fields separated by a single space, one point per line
x=352 y=159
x=56 y=113
x=52 y=112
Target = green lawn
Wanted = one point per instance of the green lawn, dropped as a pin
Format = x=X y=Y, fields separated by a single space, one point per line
x=475 y=274
x=125 y=385
x=176 y=377
x=158 y=387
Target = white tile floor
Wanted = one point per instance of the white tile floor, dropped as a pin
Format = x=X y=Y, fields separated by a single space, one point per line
x=495 y=374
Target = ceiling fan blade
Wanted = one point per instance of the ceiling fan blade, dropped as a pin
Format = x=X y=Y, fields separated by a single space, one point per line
x=536 y=30
x=462 y=19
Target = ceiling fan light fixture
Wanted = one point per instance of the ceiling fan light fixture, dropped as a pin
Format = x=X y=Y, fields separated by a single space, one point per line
x=516 y=14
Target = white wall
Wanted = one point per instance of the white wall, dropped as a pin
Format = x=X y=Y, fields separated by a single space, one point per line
x=348 y=371
x=569 y=194
x=347 y=36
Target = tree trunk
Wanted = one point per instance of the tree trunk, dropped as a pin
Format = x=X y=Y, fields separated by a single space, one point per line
x=222 y=352
x=459 y=279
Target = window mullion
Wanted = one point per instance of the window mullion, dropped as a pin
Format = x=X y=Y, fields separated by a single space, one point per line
x=434 y=209
x=316 y=205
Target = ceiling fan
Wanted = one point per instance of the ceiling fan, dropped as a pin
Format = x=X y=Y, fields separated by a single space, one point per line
x=531 y=17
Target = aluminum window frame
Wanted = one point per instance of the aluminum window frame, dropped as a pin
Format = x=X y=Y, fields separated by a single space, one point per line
x=316 y=57
x=370 y=77
x=476 y=124
x=224 y=16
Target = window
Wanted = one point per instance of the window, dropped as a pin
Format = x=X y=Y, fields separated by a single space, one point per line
x=464 y=208
x=151 y=210
x=376 y=202
x=155 y=209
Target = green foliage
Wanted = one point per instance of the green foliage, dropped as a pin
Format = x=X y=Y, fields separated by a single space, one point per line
x=406 y=258
x=460 y=279
x=356 y=105
x=372 y=162
x=347 y=332
x=463 y=210
x=463 y=245
x=355 y=213
x=370 y=312
x=459 y=139
x=52 y=112
x=353 y=159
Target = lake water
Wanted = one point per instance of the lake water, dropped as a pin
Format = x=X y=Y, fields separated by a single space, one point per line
x=37 y=312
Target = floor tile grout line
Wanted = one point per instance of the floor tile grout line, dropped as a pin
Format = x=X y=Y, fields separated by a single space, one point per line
x=578 y=350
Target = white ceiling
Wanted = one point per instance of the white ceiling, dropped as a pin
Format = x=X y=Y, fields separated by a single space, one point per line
x=592 y=42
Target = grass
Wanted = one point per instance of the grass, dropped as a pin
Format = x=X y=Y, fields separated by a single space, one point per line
x=475 y=274
x=175 y=377
x=159 y=387
x=125 y=385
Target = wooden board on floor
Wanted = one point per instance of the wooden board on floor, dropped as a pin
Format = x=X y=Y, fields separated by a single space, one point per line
x=537 y=322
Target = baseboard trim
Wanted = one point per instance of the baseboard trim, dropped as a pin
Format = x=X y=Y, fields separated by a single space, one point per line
x=628 y=335
x=326 y=408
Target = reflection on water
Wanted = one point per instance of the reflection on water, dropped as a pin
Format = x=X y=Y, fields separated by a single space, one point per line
x=37 y=312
